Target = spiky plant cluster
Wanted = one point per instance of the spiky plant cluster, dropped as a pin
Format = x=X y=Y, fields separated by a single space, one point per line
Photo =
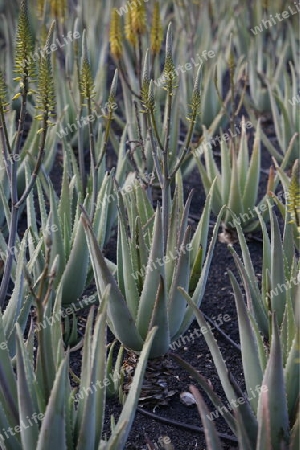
x=45 y=102
x=3 y=94
x=115 y=36
x=24 y=63
x=138 y=14
x=156 y=30
x=87 y=86
x=293 y=200
x=130 y=34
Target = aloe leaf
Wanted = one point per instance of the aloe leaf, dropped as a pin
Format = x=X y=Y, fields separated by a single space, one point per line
x=247 y=259
x=264 y=424
x=242 y=433
x=211 y=436
x=18 y=307
x=13 y=442
x=235 y=198
x=177 y=303
x=266 y=258
x=243 y=158
x=94 y=403
x=121 y=431
x=250 y=192
x=172 y=237
x=27 y=408
x=55 y=416
x=295 y=434
x=200 y=237
x=200 y=288
x=53 y=228
x=159 y=320
x=130 y=288
x=291 y=376
x=207 y=182
x=274 y=381
x=64 y=206
x=74 y=276
x=277 y=270
x=225 y=171
x=254 y=299
x=8 y=386
x=120 y=319
x=154 y=271
x=250 y=357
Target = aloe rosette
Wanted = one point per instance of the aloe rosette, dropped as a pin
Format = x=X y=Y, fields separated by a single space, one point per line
x=145 y=293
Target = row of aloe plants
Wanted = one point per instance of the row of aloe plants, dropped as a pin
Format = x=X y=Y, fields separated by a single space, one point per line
x=138 y=287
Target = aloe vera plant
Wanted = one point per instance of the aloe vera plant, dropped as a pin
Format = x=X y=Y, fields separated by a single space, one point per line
x=236 y=182
x=145 y=292
x=267 y=417
x=280 y=274
x=39 y=407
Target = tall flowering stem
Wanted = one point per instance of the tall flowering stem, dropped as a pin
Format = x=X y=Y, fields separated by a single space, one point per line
x=45 y=107
x=87 y=90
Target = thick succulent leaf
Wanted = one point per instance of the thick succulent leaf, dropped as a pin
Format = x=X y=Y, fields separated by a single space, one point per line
x=130 y=289
x=243 y=157
x=94 y=403
x=254 y=299
x=235 y=198
x=278 y=299
x=295 y=434
x=252 y=181
x=266 y=259
x=64 y=206
x=121 y=432
x=154 y=272
x=217 y=203
x=177 y=303
x=53 y=429
x=159 y=320
x=225 y=171
x=18 y=307
x=255 y=293
x=264 y=424
x=74 y=276
x=12 y=442
x=120 y=319
x=211 y=436
x=200 y=288
x=8 y=385
x=274 y=381
x=200 y=237
x=242 y=435
x=292 y=376
x=173 y=226
x=57 y=247
x=27 y=407
x=250 y=356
